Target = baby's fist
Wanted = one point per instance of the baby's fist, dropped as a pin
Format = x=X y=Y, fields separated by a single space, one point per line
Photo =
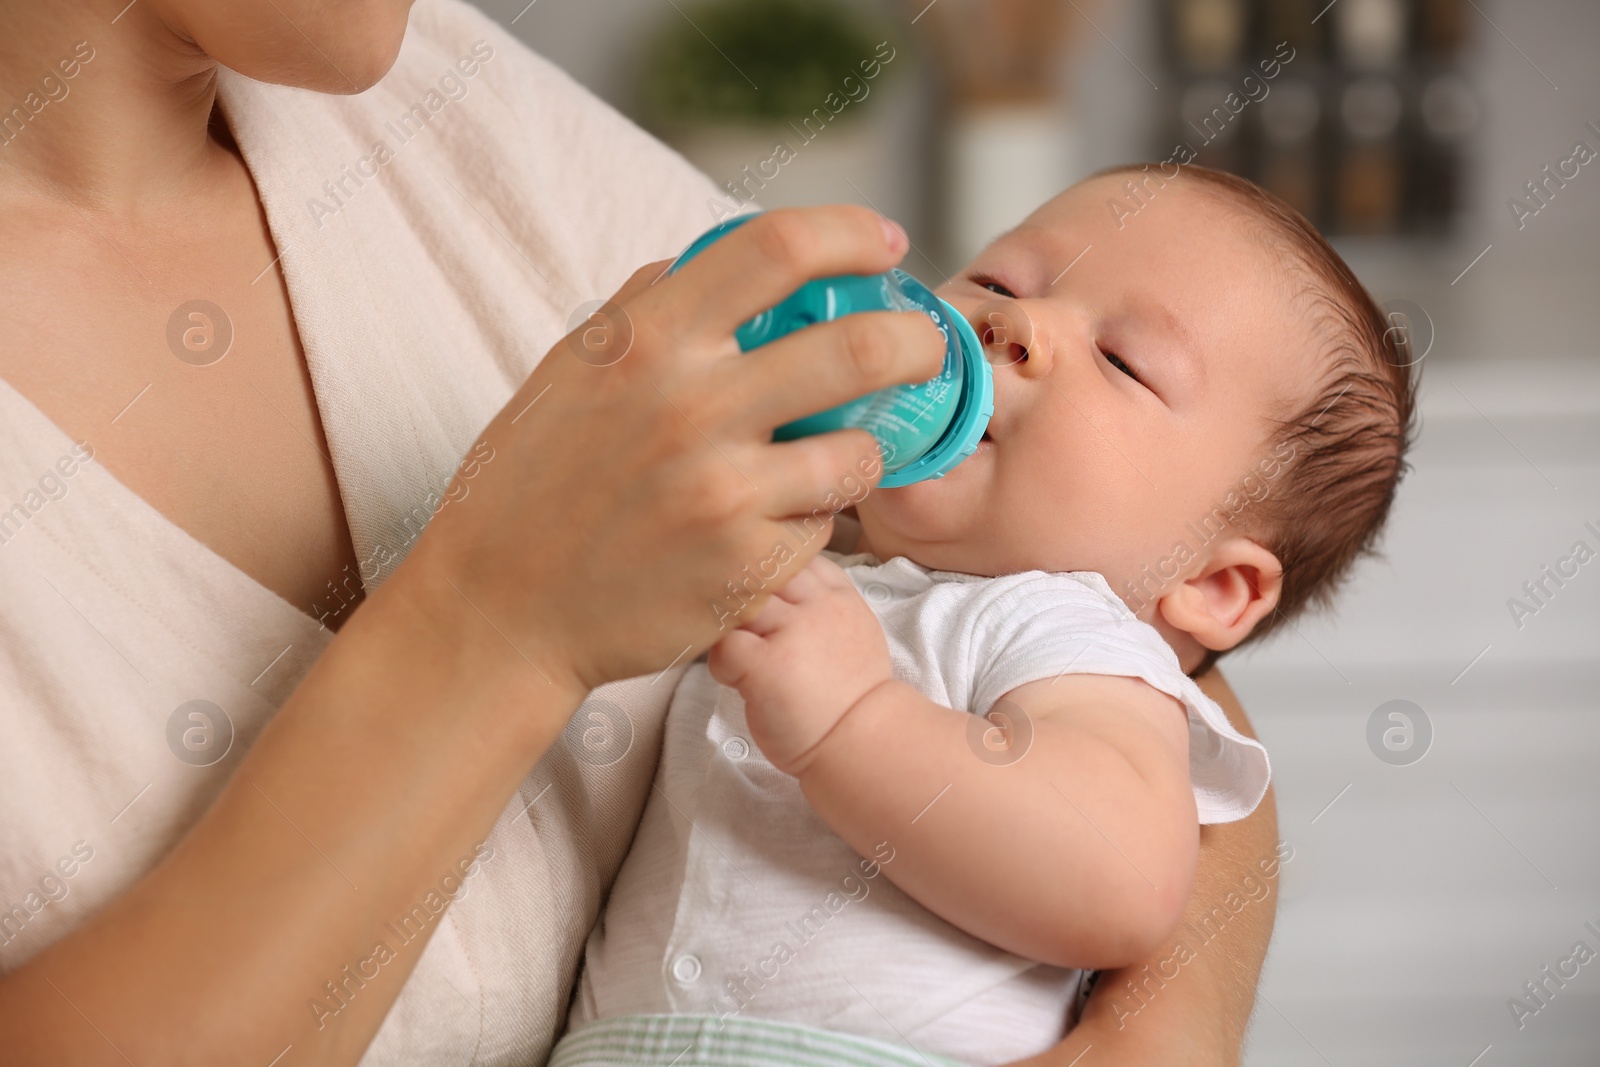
x=812 y=652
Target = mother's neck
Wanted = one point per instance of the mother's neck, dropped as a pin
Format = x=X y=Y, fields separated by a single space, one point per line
x=104 y=104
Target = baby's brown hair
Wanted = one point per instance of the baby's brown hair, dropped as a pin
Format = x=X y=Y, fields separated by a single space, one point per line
x=1328 y=508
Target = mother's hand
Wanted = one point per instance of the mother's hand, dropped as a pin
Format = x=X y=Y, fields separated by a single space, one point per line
x=634 y=471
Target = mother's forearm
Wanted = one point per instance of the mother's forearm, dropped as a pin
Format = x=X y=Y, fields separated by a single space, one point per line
x=1195 y=993
x=379 y=775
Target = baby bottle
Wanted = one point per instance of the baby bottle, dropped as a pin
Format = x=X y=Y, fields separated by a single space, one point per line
x=925 y=428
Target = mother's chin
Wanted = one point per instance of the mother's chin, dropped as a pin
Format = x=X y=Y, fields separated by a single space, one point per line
x=341 y=48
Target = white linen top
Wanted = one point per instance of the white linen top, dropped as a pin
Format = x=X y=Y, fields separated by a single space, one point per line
x=737 y=899
x=422 y=302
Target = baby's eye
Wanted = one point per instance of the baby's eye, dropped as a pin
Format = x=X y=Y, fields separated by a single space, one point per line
x=995 y=287
x=1116 y=361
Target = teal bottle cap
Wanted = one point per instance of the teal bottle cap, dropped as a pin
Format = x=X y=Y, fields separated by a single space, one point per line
x=972 y=415
x=974 y=407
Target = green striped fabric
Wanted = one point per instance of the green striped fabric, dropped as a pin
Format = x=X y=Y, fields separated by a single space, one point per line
x=730 y=1041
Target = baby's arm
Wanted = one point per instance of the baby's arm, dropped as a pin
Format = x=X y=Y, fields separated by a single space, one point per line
x=1080 y=853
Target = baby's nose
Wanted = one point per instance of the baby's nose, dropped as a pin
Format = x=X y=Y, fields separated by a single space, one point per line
x=1007 y=333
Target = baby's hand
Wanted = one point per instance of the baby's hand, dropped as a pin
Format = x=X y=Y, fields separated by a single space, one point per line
x=814 y=650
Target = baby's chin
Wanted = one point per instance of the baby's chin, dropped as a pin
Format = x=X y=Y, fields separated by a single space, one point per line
x=941 y=524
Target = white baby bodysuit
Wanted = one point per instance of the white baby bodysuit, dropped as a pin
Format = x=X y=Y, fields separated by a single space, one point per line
x=737 y=899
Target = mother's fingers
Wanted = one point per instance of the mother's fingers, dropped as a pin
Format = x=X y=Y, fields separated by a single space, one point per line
x=806 y=481
x=828 y=364
x=766 y=259
x=642 y=279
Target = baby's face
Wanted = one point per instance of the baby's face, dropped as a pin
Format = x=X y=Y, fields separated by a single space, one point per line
x=1157 y=358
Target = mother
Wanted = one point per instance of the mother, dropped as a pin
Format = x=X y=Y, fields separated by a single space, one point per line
x=251 y=332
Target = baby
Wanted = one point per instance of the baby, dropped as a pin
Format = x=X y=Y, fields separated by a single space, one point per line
x=904 y=810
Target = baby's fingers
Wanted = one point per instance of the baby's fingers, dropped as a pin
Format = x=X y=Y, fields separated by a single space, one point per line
x=829 y=573
x=733 y=658
x=804 y=586
x=817 y=578
x=775 y=614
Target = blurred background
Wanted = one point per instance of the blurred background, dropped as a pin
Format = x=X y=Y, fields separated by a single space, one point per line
x=1436 y=742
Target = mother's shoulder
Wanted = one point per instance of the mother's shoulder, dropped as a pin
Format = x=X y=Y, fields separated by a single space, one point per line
x=601 y=166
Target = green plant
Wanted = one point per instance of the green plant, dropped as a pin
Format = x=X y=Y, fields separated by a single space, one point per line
x=751 y=60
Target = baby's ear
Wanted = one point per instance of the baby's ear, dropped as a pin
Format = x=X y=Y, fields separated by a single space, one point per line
x=1237 y=585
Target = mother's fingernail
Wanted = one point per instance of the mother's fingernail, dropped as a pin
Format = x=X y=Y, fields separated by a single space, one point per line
x=894 y=236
